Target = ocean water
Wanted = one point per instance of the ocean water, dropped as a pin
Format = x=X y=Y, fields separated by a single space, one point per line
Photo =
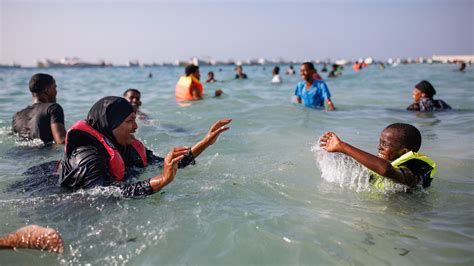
x=264 y=193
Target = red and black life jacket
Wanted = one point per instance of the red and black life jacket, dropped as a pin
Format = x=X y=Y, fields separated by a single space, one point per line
x=116 y=163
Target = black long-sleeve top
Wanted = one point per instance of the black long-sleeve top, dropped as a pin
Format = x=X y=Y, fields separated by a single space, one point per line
x=87 y=166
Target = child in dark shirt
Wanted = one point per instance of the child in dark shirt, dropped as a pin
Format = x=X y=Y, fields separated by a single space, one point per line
x=397 y=160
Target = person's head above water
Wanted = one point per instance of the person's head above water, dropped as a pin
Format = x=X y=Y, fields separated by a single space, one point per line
x=192 y=70
x=239 y=69
x=133 y=96
x=398 y=139
x=113 y=117
x=423 y=89
x=276 y=70
x=43 y=86
x=307 y=71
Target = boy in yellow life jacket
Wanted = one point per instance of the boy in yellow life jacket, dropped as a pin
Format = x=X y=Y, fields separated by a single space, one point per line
x=397 y=160
x=189 y=87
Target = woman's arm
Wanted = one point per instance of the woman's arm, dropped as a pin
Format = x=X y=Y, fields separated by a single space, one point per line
x=169 y=169
x=86 y=168
x=191 y=153
x=216 y=129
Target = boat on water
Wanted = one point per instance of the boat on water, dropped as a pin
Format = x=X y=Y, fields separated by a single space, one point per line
x=69 y=62
x=10 y=66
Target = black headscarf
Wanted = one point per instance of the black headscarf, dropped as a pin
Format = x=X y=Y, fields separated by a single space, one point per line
x=427 y=88
x=107 y=114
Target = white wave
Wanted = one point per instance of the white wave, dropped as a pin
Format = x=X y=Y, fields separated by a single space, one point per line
x=34 y=143
x=80 y=195
x=341 y=169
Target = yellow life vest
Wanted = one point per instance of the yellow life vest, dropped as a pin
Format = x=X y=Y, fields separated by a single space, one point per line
x=382 y=183
x=184 y=87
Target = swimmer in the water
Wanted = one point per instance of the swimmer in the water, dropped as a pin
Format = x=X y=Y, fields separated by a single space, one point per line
x=398 y=160
x=210 y=77
x=189 y=87
x=240 y=73
x=44 y=119
x=133 y=96
x=276 y=75
x=423 y=100
x=313 y=93
x=101 y=148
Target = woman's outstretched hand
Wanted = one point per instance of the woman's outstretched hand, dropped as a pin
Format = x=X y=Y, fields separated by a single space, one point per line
x=330 y=142
x=170 y=168
x=216 y=129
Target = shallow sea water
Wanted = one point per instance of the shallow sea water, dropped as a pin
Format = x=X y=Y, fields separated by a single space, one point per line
x=264 y=193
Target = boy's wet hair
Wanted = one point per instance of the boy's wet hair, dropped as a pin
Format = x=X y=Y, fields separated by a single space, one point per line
x=39 y=82
x=309 y=65
x=409 y=136
x=190 y=69
x=131 y=90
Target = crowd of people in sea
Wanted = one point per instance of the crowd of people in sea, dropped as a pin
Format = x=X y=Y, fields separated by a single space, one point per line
x=100 y=149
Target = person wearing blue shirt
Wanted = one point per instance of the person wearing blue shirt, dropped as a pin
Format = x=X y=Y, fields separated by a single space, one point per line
x=312 y=92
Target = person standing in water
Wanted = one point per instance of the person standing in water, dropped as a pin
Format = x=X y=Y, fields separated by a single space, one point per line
x=276 y=75
x=189 y=87
x=290 y=70
x=240 y=73
x=210 y=77
x=44 y=119
x=313 y=93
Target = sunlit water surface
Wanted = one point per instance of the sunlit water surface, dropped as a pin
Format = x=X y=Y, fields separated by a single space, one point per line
x=264 y=193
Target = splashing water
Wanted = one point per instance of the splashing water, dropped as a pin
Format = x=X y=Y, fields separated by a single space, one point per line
x=341 y=169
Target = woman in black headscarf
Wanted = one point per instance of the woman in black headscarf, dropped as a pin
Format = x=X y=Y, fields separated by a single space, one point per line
x=423 y=100
x=100 y=149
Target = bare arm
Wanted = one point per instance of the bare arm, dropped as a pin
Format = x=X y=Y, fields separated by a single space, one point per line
x=196 y=93
x=329 y=105
x=331 y=143
x=297 y=99
x=34 y=237
x=170 y=167
x=59 y=132
x=216 y=129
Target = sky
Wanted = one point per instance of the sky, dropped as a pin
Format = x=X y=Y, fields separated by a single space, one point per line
x=164 y=31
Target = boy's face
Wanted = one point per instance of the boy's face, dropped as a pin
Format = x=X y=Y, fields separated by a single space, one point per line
x=306 y=73
x=51 y=92
x=197 y=74
x=390 y=147
x=134 y=99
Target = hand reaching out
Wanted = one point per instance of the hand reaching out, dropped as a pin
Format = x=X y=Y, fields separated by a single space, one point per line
x=216 y=130
x=330 y=142
x=171 y=163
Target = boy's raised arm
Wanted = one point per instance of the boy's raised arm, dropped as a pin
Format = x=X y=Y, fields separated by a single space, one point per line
x=331 y=143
